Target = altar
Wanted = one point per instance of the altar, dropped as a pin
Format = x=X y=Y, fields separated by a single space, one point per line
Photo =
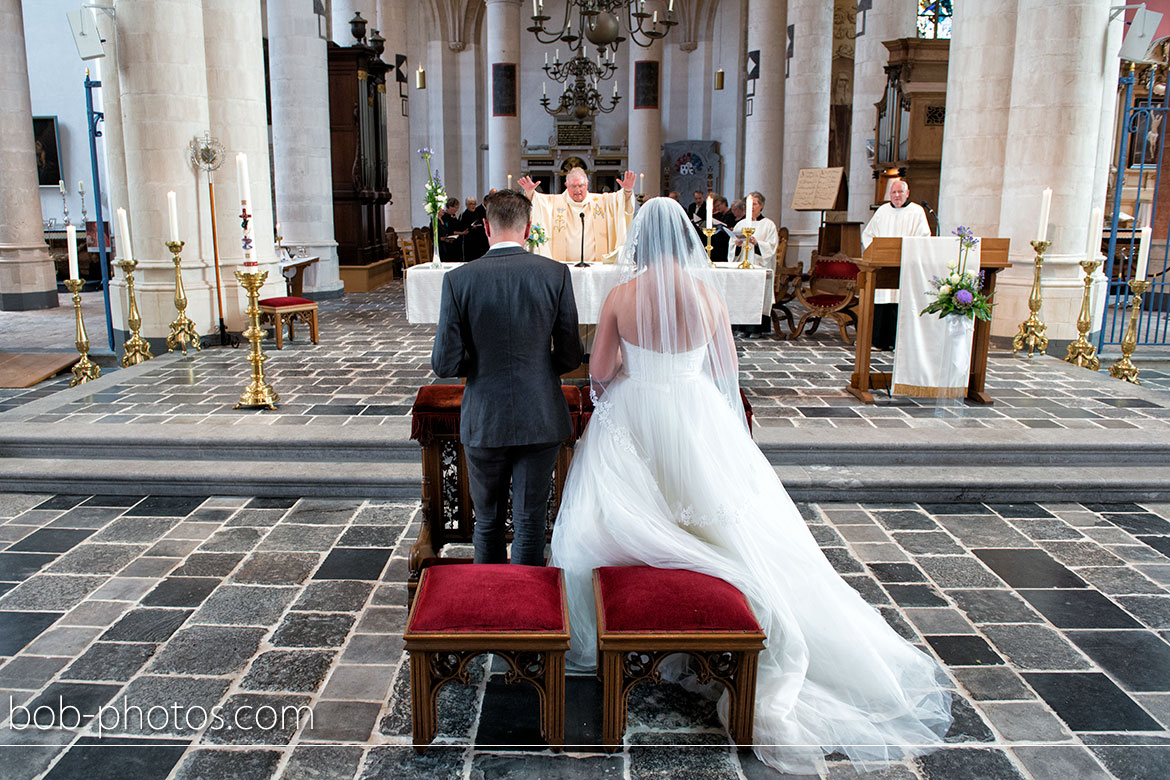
x=743 y=289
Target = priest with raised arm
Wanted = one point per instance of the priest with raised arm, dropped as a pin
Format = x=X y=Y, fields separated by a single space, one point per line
x=897 y=218
x=606 y=217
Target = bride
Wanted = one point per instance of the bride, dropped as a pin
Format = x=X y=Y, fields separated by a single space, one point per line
x=667 y=475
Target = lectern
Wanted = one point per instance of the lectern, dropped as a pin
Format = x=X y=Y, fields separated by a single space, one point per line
x=880 y=268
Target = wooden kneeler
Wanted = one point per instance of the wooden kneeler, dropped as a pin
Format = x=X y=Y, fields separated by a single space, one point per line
x=461 y=611
x=645 y=614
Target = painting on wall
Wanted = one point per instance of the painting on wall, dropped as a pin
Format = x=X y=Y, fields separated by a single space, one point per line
x=48 y=151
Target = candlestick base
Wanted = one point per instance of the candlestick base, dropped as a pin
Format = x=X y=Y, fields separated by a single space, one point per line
x=183 y=330
x=708 y=232
x=258 y=392
x=1124 y=369
x=747 y=247
x=1081 y=352
x=136 y=349
x=84 y=369
x=1032 y=330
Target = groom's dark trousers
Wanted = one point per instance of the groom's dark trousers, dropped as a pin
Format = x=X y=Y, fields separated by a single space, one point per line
x=508 y=323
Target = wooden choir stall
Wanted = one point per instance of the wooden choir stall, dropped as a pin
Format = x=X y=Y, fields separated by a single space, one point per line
x=880 y=268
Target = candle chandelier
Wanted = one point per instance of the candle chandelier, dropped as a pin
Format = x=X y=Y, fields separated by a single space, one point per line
x=596 y=22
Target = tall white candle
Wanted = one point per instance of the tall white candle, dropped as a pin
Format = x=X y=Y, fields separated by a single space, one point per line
x=710 y=216
x=1093 y=243
x=71 y=241
x=242 y=178
x=670 y=7
x=1143 y=254
x=534 y=8
x=642 y=183
x=1045 y=205
x=509 y=181
x=124 y=235
x=61 y=184
x=173 y=212
x=80 y=188
x=750 y=210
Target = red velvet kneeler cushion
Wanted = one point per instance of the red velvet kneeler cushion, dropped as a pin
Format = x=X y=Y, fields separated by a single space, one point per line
x=289 y=300
x=645 y=599
x=482 y=597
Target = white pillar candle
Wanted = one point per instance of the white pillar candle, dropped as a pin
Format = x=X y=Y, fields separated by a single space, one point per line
x=670 y=7
x=61 y=184
x=1093 y=243
x=71 y=241
x=173 y=212
x=710 y=216
x=242 y=178
x=124 y=235
x=641 y=181
x=1143 y=254
x=80 y=188
x=655 y=19
x=245 y=199
x=534 y=8
x=749 y=212
x=509 y=181
x=1045 y=205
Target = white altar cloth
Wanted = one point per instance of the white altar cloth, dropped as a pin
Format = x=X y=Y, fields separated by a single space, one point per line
x=743 y=290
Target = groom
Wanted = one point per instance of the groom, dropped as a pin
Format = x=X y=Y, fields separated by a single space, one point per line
x=497 y=319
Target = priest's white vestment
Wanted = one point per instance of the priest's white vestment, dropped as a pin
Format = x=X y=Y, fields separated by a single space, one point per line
x=606 y=219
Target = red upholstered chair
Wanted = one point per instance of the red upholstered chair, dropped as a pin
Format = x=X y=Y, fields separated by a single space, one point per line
x=289 y=309
x=831 y=292
x=645 y=614
x=518 y=613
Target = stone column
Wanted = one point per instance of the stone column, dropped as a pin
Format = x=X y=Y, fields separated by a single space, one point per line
x=238 y=117
x=806 y=115
x=299 y=86
x=1053 y=137
x=163 y=98
x=28 y=277
x=979 y=98
x=887 y=20
x=502 y=37
x=645 y=124
x=763 y=143
x=392 y=20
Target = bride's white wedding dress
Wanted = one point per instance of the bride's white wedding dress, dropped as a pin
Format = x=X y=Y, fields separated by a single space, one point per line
x=667 y=475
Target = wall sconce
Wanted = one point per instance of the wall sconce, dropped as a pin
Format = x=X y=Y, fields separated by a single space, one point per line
x=719 y=79
x=420 y=78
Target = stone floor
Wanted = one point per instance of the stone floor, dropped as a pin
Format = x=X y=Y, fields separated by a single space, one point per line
x=1053 y=621
x=370 y=363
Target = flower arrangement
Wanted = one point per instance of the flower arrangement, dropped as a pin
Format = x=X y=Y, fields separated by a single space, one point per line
x=536 y=236
x=434 y=197
x=960 y=292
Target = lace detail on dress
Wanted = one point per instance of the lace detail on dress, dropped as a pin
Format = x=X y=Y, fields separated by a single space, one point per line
x=603 y=414
x=725 y=515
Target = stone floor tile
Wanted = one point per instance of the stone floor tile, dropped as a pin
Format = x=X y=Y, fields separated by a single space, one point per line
x=1089 y=701
x=440 y=762
x=1035 y=647
x=961 y=763
x=323 y=762
x=939 y=620
x=277 y=568
x=342 y=721
x=1025 y=721
x=245 y=605
x=206 y=764
x=113 y=759
x=29 y=672
x=186 y=706
x=688 y=755
x=312 y=629
x=1060 y=762
x=993 y=683
x=297 y=671
x=187 y=651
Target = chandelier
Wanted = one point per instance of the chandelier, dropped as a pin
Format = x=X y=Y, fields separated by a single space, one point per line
x=597 y=22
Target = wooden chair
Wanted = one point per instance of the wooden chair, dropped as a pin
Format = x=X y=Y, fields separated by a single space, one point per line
x=423 y=245
x=785 y=283
x=831 y=292
x=408 y=258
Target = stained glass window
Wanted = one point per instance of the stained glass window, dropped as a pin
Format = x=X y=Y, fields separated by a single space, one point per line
x=934 y=18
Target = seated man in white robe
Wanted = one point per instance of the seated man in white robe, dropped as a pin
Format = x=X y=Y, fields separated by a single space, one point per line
x=606 y=217
x=897 y=218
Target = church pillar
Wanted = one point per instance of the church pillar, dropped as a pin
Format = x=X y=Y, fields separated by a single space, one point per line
x=28 y=277
x=979 y=98
x=763 y=142
x=887 y=20
x=393 y=25
x=1053 y=136
x=236 y=111
x=503 y=124
x=299 y=86
x=644 y=125
x=163 y=100
x=806 y=118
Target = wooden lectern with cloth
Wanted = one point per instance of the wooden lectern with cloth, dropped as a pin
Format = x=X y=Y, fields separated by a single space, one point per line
x=880 y=268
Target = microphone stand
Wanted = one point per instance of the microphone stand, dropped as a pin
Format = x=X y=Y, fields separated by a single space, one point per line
x=582 y=264
x=929 y=210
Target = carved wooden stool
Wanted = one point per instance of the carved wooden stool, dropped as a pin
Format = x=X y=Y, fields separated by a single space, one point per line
x=645 y=614
x=518 y=613
x=289 y=309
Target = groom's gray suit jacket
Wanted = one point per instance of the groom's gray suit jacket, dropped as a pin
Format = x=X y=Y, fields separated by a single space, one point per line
x=508 y=322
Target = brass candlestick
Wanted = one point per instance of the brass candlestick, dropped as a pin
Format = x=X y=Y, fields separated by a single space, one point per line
x=747 y=247
x=1032 y=329
x=258 y=392
x=136 y=350
x=708 y=232
x=182 y=329
x=1081 y=352
x=84 y=369
x=1124 y=369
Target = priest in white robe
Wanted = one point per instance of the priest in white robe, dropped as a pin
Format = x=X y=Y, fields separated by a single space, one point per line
x=762 y=253
x=606 y=217
x=897 y=218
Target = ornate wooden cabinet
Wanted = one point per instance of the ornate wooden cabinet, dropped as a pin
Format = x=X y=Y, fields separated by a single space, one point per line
x=357 y=134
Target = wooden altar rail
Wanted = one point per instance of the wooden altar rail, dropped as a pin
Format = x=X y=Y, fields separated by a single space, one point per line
x=880 y=268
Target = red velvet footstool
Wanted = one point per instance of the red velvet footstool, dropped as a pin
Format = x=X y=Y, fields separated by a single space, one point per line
x=645 y=614
x=516 y=612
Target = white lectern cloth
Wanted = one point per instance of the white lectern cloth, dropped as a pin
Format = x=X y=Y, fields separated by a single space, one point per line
x=931 y=360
